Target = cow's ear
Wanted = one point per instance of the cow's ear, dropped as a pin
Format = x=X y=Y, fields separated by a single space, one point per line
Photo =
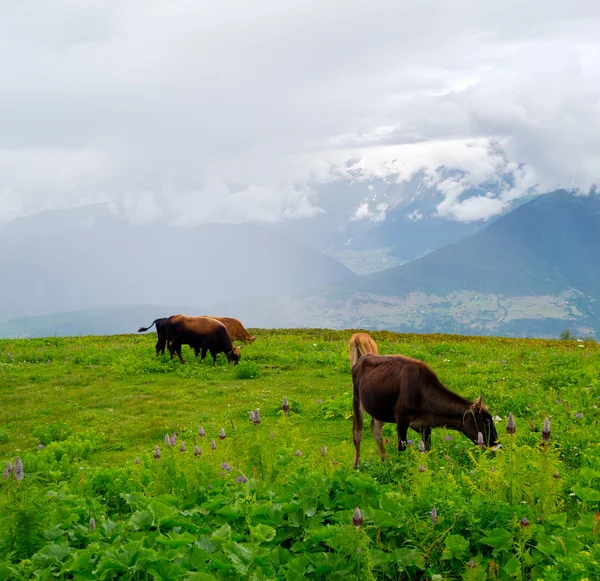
x=477 y=404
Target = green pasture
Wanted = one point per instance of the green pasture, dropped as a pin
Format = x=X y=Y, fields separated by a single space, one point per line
x=79 y=411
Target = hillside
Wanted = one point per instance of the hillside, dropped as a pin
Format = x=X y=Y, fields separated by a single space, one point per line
x=86 y=258
x=534 y=271
x=102 y=495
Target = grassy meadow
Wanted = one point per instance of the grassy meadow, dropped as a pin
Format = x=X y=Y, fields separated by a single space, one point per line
x=86 y=414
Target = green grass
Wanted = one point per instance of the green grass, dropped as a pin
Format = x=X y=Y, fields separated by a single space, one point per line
x=97 y=403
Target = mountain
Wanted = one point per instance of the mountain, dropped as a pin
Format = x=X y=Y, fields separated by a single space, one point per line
x=82 y=258
x=371 y=224
x=534 y=271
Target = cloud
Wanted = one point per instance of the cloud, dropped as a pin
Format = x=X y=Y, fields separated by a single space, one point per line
x=204 y=111
x=364 y=212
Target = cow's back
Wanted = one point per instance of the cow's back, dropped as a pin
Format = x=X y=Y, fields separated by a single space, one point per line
x=360 y=344
x=184 y=326
x=394 y=381
x=235 y=329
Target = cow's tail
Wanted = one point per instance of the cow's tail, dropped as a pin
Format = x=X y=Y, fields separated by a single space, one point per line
x=354 y=352
x=142 y=329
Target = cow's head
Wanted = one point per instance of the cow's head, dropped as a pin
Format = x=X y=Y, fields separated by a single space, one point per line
x=478 y=419
x=234 y=355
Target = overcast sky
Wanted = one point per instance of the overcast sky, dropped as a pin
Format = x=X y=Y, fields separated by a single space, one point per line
x=228 y=110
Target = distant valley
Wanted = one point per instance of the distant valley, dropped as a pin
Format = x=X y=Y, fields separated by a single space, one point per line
x=531 y=272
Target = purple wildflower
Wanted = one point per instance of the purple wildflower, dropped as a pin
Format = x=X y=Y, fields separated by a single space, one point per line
x=156 y=452
x=197 y=451
x=213 y=445
x=556 y=474
x=546 y=430
x=201 y=432
x=256 y=417
x=579 y=416
x=182 y=446
x=422 y=468
x=6 y=473
x=285 y=407
x=241 y=478
x=92 y=524
x=137 y=460
x=226 y=466
x=167 y=439
x=18 y=468
x=298 y=453
x=480 y=441
x=409 y=442
x=387 y=440
x=324 y=450
x=510 y=425
x=319 y=401
x=422 y=446
x=524 y=523
x=251 y=416
x=173 y=439
x=41 y=446
x=357 y=517
x=222 y=434
x=434 y=516
x=448 y=438
x=471 y=564
x=9 y=467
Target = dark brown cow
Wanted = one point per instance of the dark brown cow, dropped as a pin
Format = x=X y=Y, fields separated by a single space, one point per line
x=406 y=392
x=161 y=332
x=360 y=344
x=200 y=333
x=235 y=329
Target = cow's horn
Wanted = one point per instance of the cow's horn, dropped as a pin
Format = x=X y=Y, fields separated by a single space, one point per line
x=478 y=402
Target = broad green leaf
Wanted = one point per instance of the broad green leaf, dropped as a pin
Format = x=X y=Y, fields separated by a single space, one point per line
x=499 y=539
x=221 y=534
x=512 y=567
x=141 y=520
x=456 y=546
x=263 y=533
x=586 y=494
x=174 y=540
x=204 y=543
x=240 y=556
x=280 y=556
x=199 y=576
x=161 y=513
x=165 y=570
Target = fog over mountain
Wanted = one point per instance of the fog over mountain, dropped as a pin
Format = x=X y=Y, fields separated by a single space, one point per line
x=373 y=133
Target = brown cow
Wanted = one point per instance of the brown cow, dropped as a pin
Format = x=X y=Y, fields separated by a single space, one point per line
x=200 y=333
x=406 y=392
x=235 y=329
x=361 y=344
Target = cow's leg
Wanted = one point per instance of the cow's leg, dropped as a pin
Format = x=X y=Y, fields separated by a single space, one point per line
x=426 y=436
x=204 y=350
x=402 y=430
x=358 y=421
x=214 y=356
x=176 y=348
x=377 y=430
x=160 y=346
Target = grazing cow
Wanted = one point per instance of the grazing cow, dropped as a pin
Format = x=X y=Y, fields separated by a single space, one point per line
x=161 y=332
x=200 y=333
x=406 y=392
x=361 y=344
x=235 y=329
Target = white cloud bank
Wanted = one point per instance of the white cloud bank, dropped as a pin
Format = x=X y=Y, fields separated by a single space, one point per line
x=229 y=110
